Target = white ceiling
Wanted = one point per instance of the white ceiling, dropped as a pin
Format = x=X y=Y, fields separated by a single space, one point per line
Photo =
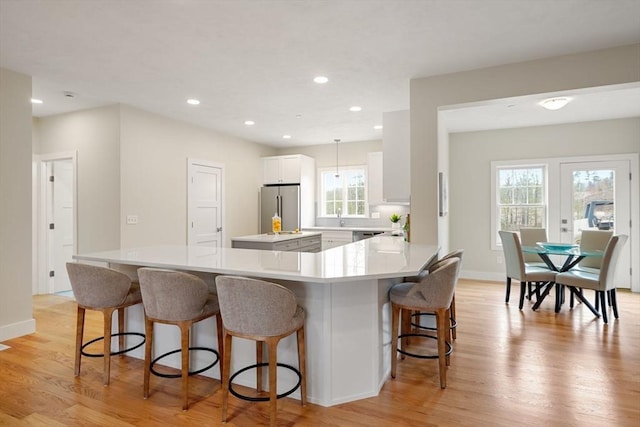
x=256 y=59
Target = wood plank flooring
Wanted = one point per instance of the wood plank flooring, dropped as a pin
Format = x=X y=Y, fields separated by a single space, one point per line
x=509 y=367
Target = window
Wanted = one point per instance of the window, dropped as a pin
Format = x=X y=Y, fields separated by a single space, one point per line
x=520 y=198
x=344 y=194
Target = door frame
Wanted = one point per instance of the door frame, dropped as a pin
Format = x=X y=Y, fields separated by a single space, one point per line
x=42 y=284
x=199 y=162
x=634 y=190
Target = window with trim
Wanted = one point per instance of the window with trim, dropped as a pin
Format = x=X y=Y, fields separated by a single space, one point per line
x=345 y=194
x=520 y=196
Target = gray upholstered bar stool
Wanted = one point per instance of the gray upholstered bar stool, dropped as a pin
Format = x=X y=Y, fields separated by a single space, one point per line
x=104 y=290
x=264 y=312
x=180 y=299
x=432 y=294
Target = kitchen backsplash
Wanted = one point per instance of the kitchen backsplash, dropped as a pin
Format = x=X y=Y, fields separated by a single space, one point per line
x=384 y=211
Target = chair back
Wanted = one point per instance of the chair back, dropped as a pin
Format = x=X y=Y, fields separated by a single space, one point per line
x=529 y=237
x=594 y=240
x=454 y=254
x=438 y=287
x=172 y=295
x=610 y=259
x=97 y=287
x=255 y=307
x=513 y=257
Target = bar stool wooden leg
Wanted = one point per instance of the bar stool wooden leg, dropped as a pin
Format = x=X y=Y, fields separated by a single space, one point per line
x=259 y=359
x=226 y=371
x=302 y=365
x=272 y=347
x=121 y=330
x=442 y=322
x=148 y=327
x=184 y=347
x=219 y=328
x=108 y=315
x=79 y=335
x=453 y=316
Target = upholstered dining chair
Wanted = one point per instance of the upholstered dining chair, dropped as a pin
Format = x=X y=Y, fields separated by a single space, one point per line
x=432 y=294
x=600 y=280
x=593 y=240
x=530 y=236
x=180 y=299
x=517 y=269
x=264 y=312
x=105 y=290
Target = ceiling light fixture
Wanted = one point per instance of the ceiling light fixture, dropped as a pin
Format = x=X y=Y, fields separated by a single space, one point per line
x=193 y=101
x=337 y=175
x=378 y=127
x=249 y=122
x=36 y=101
x=555 y=103
x=355 y=108
x=320 y=80
x=286 y=136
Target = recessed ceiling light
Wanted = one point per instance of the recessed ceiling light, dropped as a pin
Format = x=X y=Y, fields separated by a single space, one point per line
x=320 y=80
x=249 y=122
x=193 y=101
x=36 y=101
x=355 y=108
x=377 y=127
x=555 y=103
x=286 y=136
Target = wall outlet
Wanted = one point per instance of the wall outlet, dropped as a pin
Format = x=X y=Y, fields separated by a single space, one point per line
x=499 y=259
x=375 y=215
x=132 y=219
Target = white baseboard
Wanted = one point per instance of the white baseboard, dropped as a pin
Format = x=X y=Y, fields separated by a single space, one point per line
x=482 y=275
x=15 y=330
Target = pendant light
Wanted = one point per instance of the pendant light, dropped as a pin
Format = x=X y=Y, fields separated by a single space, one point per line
x=337 y=175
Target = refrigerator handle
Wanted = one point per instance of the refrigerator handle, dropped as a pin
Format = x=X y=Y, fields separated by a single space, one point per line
x=279 y=205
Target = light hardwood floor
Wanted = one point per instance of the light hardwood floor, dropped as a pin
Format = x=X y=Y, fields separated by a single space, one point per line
x=509 y=367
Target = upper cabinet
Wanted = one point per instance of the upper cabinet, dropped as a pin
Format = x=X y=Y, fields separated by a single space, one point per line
x=374 y=178
x=396 y=185
x=289 y=169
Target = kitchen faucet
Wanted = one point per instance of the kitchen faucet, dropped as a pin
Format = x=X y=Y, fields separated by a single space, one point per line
x=340 y=220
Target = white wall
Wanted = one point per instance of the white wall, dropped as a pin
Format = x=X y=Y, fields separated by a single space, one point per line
x=16 y=317
x=154 y=152
x=591 y=69
x=95 y=135
x=471 y=154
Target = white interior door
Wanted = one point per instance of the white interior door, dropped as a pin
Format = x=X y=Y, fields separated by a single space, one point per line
x=60 y=223
x=597 y=195
x=205 y=201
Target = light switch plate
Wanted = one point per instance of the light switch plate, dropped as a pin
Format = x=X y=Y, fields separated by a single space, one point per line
x=132 y=219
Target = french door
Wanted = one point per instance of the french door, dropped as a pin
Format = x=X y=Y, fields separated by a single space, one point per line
x=596 y=195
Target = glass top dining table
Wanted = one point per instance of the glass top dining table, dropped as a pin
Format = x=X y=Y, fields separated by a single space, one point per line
x=572 y=254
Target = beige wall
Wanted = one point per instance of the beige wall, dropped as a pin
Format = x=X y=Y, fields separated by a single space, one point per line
x=16 y=317
x=591 y=69
x=471 y=154
x=94 y=134
x=154 y=152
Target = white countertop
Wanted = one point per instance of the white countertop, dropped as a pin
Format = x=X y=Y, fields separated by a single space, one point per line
x=375 y=258
x=274 y=238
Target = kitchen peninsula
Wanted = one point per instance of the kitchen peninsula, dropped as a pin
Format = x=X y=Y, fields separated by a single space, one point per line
x=344 y=291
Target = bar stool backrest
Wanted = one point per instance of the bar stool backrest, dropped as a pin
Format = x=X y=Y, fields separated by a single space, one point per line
x=172 y=295
x=255 y=307
x=97 y=287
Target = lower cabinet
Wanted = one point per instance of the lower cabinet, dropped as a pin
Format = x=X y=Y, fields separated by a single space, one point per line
x=332 y=239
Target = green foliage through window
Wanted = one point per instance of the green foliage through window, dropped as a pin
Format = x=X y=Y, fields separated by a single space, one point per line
x=344 y=194
x=521 y=197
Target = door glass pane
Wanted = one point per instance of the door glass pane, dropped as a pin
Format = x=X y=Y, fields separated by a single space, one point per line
x=593 y=196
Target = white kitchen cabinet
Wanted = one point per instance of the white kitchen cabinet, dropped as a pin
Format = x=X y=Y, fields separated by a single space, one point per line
x=396 y=187
x=332 y=239
x=374 y=178
x=289 y=169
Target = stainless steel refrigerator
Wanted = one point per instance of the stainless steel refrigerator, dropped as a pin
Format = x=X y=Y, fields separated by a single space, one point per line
x=281 y=199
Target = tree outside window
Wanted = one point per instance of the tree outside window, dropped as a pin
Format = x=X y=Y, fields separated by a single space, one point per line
x=344 y=194
x=522 y=198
